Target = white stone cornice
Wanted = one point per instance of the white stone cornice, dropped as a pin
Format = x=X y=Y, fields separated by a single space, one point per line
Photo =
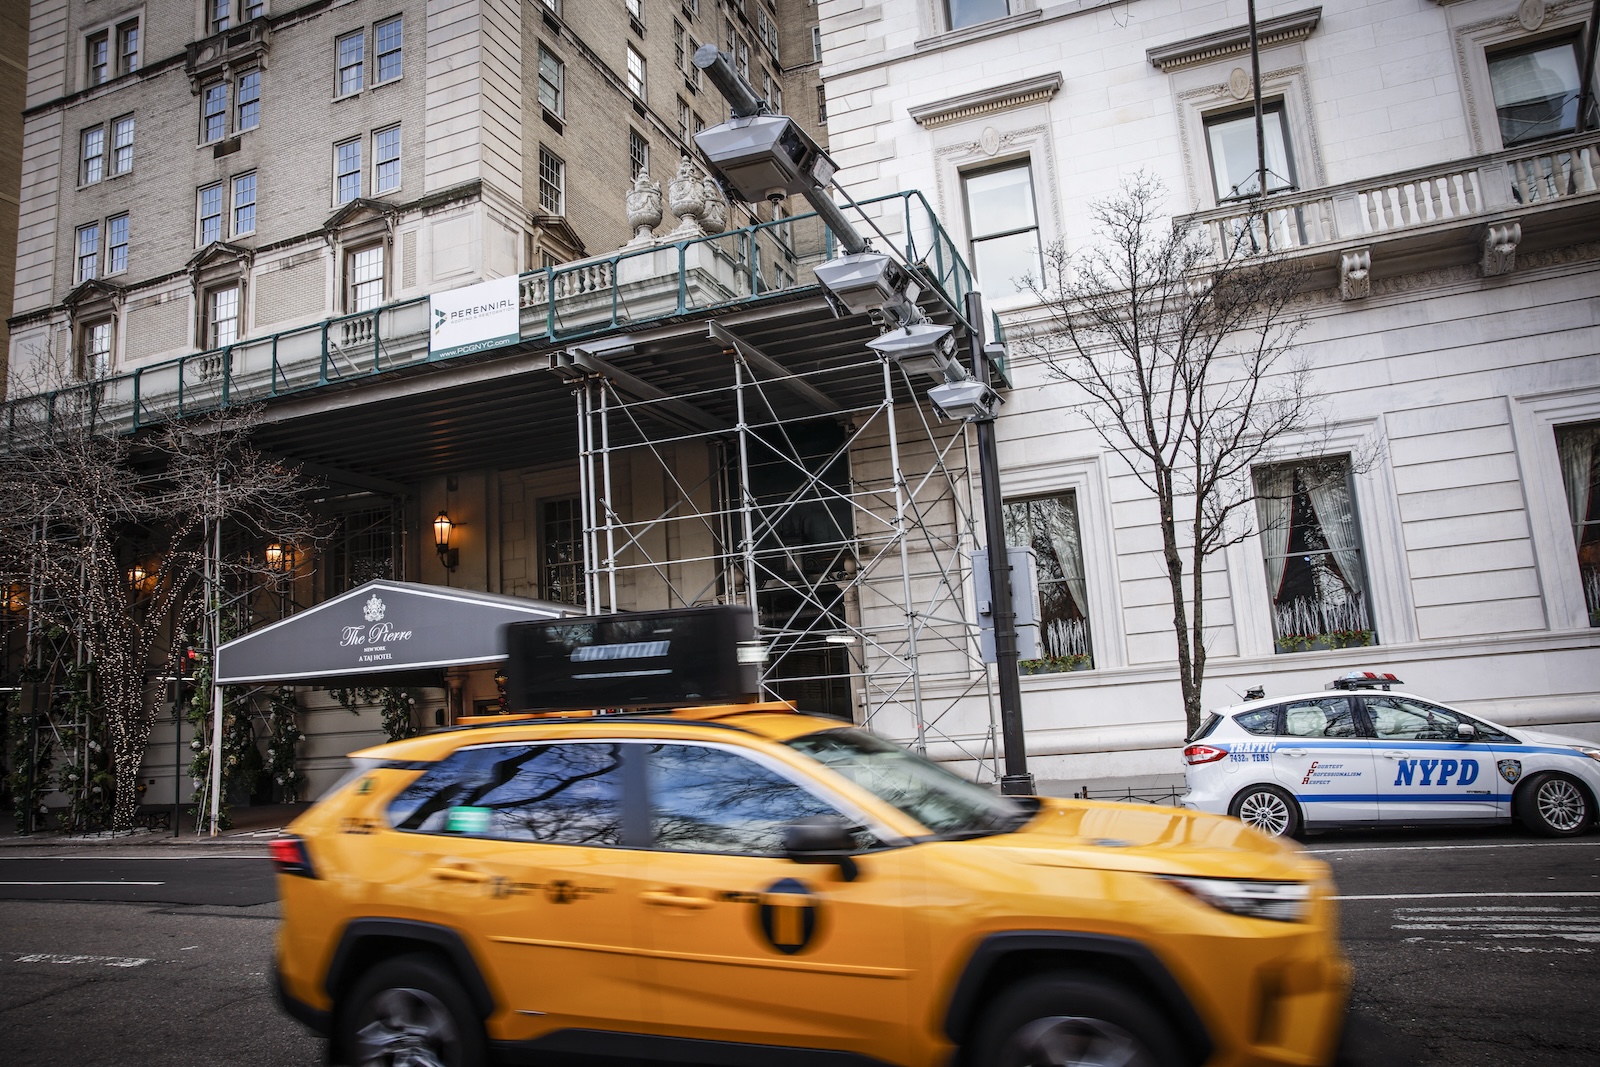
x=985 y=101
x=1292 y=27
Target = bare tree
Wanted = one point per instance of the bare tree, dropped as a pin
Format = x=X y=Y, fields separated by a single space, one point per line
x=1183 y=346
x=108 y=533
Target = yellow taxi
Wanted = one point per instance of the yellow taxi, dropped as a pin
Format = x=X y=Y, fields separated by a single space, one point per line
x=749 y=884
x=697 y=877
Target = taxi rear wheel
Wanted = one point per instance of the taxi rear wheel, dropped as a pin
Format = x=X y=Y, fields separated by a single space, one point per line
x=1073 y=1021
x=410 y=1012
x=1268 y=809
x=1553 y=805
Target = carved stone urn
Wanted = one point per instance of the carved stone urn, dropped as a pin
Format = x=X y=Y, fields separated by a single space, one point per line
x=715 y=215
x=686 y=196
x=644 y=208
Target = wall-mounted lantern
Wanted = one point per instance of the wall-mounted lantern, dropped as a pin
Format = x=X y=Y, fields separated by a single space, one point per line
x=448 y=556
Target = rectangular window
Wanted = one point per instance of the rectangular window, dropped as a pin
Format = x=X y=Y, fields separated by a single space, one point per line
x=96 y=56
x=386 y=160
x=1004 y=228
x=347 y=171
x=971 y=12
x=364 y=279
x=92 y=165
x=127 y=48
x=254 y=9
x=635 y=73
x=1235 y=164
x=351 y=48
x=561 y=551
x=1536 y=91
x=777 y=98
x=822 y=105
x=552 y=83
x=633 y=8
x=222 y=317
x=1316 y=577
x=553 y=5
x=220 y=10
x=249 y=101
x=552 y=183
x=244 y=204
x=638 y=153
x=1049 y=525
x=213 y=112
x=210 y=214
x=694 y=73
x=386 y=37
x=680 y=44
x=816 y=44
x=692 y=7
x=122 y=145
x=117 y=243
x=742 y=62
x=1579 y=449
x=683 y=120
x=96 y=355
x=88 y=252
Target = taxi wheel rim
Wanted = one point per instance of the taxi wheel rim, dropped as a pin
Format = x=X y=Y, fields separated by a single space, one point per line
x=1071 y=1041
x=1561 y=804
x=407 y=1028
x=1266 y=812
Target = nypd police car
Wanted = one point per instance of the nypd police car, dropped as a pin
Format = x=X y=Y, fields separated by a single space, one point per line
x=1364 y=753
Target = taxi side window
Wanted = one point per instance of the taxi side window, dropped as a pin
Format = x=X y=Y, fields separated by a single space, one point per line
x=1405 y=719
x=1322 y=717
x=1262 y=721
x=706 y=799
x=565 y=794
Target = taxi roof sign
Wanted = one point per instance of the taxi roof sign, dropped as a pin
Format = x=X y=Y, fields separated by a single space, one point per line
x=1364 y=680
x=638 y=659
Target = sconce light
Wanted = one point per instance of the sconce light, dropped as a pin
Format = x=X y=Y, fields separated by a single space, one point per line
x=137 y=575
x=16 y=600
x=448 y=556
x=276 y=556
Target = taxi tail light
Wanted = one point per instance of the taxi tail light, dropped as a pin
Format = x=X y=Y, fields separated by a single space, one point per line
x=1203 y=754
x=289 y=856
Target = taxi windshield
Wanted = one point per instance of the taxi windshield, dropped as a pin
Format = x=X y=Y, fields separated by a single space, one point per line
x=945 y=803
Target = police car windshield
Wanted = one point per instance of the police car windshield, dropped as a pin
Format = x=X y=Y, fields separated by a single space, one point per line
x=945 y=803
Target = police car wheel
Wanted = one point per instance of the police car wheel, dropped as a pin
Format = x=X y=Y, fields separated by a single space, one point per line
x=1553 y=805
x=410 y=1012
x=1072 y=1021
x=1268 y=809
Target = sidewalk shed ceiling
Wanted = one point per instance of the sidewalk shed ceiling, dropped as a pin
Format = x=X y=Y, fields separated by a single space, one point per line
x=380 y=633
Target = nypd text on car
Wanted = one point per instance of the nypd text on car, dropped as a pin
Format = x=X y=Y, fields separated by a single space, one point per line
x=1364 y=753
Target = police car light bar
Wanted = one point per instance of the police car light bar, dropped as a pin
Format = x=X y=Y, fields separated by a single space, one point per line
x=1364 y=680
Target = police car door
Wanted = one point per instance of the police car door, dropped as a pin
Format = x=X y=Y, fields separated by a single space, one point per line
x=1426 y=769
x=1323 y=757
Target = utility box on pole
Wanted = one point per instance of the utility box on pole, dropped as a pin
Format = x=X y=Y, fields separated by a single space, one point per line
x=1024 y=601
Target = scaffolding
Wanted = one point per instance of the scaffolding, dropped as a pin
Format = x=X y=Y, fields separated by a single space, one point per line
x=848 y=531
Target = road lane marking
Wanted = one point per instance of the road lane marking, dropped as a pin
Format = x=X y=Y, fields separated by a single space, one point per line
x=1458 y=896
x=1496 y=925
x=83 y=883
x=1453 y=848
x=106 y=961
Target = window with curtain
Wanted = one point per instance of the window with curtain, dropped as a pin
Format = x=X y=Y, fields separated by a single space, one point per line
x=561 y=551
x=1049 y=525
x=1311 y=541
x=1579 y=448
x=1235 y=164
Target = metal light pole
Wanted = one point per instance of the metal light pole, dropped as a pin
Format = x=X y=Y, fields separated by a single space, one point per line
x=1016 y=781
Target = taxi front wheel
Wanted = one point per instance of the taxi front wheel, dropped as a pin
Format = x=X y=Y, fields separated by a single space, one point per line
x=1553 y=805
x=1073 y=1021
x=409 y=1012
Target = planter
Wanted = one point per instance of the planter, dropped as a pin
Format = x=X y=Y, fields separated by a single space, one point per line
x=1324 y=642
x=1055 y=664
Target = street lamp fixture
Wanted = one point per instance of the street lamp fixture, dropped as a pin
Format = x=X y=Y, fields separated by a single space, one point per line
x=449 y=557
x=869 y=283
x=965 y=401
x=280 y=557
x=922 y=348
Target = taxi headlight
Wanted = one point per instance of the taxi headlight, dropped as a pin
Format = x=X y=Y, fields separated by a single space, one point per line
x=1282 y=901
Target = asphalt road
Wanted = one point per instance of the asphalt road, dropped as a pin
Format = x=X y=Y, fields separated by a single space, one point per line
x=1470 y=948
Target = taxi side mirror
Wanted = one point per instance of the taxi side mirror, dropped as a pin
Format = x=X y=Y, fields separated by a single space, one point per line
x=1466 y=731
x=822 y=839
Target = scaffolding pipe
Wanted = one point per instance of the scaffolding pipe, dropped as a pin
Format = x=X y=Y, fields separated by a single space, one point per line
x=912 y=620
x=611 y=514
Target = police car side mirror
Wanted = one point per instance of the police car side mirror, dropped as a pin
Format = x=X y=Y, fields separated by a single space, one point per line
x=822 y=839
x=1466 y=731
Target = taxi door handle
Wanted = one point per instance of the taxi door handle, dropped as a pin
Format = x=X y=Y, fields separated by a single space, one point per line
x=1294 y=752
x=458 y=874
x=1394 y=755
x=667 y=899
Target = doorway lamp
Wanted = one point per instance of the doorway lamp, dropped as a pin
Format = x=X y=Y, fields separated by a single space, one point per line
x=449 y=557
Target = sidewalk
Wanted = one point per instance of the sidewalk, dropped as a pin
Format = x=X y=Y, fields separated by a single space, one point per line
x=251 y=825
